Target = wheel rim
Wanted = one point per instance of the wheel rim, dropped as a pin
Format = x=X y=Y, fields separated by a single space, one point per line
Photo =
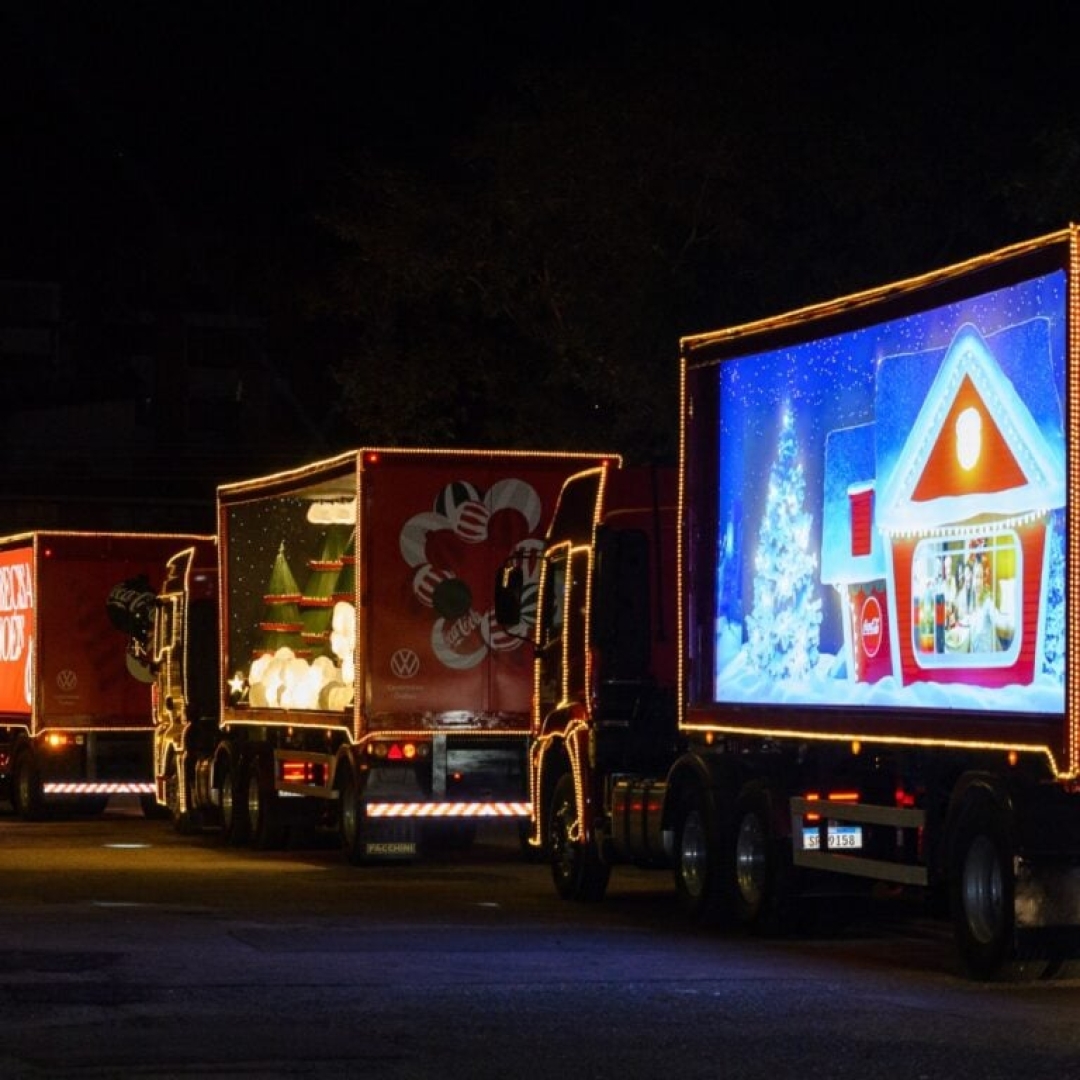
x=25 y=788
x=983 y=891
x=253 y=797
x=228 y=804
x=350 y=814
x=172 y=789
x=693 y=854
x=750 y=860
x=562 y=849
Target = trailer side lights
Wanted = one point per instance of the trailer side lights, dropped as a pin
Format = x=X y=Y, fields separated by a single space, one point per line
x=1013 y=757
x=832 y=796
x=398 y=751
x=56 y=740
x=302 y=772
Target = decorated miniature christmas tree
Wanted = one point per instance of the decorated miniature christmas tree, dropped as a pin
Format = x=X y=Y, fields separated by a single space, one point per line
x=282 y=625
x=345 y=588
x=317 y=602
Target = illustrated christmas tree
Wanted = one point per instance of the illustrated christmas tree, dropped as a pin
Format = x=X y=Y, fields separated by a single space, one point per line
x=281 y=625
x=785 y=625
x=317 y=603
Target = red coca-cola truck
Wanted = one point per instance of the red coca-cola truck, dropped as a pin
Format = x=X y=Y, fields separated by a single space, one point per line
x=875 y=689
x=335 y=659
x=75 y=617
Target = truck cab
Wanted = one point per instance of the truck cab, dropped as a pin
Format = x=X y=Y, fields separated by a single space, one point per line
x=604 y=710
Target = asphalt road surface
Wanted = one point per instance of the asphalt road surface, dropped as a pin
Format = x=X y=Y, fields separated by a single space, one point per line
x=128 y=951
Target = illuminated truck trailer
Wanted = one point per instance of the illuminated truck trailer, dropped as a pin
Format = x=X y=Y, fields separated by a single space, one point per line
x=75 y=721
x=364 y=682
x=878 y=517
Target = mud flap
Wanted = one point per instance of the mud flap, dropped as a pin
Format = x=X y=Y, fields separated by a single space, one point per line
x=390 y=838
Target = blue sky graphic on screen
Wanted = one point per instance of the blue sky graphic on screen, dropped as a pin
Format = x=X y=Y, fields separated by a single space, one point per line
x=892 y=511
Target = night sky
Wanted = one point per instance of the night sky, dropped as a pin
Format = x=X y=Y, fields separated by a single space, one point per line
x=133 y=127
x=185 y=155
x=138 y=134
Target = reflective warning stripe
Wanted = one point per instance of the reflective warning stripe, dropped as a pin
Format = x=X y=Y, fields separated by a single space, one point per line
x=92 y=787
x=448 y=809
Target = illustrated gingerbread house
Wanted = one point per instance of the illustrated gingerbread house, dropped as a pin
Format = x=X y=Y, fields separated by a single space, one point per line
x=968 y=468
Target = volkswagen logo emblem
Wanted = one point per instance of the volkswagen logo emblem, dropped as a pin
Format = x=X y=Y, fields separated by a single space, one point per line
x=405 y=663
x=66 y=680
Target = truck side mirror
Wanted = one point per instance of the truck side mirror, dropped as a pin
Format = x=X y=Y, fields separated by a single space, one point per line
x=508 y=589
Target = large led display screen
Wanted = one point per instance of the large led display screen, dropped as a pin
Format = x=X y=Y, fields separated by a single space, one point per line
x=891 y=511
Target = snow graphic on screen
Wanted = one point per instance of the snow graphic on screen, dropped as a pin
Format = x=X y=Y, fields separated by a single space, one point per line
x=892 y=512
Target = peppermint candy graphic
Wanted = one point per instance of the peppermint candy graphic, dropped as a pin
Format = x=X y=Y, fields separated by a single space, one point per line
x=462 y=515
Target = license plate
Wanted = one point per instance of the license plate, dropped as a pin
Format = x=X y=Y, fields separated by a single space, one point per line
x=841 y=838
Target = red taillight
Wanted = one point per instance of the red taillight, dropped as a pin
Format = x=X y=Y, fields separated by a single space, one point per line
x=301 y=772
x=398 y=751
x=904 y=798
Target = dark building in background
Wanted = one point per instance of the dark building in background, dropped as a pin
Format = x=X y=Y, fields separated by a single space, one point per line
x=131 y=420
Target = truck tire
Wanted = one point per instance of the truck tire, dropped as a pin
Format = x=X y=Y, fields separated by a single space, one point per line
x=759 y=879
x=267 y=830
x=184 y=822
x=236 y=826
x=981 y=885
x=26 y=795
x=351 y=818
x=698 y=859
x=576 y=868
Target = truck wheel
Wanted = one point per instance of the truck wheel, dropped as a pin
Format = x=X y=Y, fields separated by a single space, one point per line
x=576 y=868
x=234 y=817
x=26 y=788
x=263 y=810
x=698 y=870
x=757 y=874
x=351 y=821
x=186 y=822
x=981 y=886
